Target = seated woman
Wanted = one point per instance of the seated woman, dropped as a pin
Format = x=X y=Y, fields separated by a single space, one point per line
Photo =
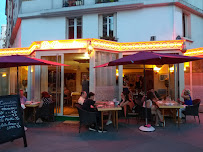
x=151 y=97
x=125 y=100
x=44 y=110
x=187 y=100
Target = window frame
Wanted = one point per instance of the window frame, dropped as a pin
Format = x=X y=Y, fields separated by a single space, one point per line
x=75 y=27
x=186 y=25
x=108 y=25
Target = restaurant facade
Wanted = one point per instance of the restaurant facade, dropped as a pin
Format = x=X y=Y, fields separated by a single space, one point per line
x=83 y=55
x=73 y=32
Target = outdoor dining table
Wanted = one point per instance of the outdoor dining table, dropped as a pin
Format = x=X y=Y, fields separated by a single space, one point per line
x=106 y=108
x=173 y=105
x=34 y=106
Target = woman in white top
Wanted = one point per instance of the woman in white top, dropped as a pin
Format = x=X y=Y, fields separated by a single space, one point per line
x=151 y=97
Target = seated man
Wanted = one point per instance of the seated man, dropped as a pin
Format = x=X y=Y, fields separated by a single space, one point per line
x=89 y=105
x=82 y=98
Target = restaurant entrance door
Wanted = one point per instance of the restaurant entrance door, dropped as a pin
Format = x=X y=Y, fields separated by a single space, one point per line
x=51 y=81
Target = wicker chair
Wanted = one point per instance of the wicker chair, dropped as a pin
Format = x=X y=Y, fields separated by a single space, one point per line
x=193 y=110
x=86 y=117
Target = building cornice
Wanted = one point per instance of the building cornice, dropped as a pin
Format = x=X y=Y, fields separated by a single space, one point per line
x=193 y=10
x=100 y=9
x=81 y=10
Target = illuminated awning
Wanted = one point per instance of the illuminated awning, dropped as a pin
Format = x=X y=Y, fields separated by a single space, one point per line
x=194 y=52
x=96 y=44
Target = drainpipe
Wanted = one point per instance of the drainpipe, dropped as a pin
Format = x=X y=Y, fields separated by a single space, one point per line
x=173 y=20
x=52 y=4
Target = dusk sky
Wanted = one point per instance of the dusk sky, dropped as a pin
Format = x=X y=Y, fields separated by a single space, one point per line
x=2 y=12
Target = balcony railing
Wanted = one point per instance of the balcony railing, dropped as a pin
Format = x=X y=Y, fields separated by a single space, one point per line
x=69 y=3
x=105 y=1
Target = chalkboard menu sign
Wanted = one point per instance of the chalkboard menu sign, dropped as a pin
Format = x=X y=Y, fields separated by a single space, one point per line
x=11 y=119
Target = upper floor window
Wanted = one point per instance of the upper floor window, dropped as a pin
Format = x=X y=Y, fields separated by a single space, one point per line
x=186 y=20
x=108 y=25
x=105 y=1
x=74 y=28
x=68 y=3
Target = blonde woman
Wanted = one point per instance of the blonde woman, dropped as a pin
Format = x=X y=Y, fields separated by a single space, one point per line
x=187 y=100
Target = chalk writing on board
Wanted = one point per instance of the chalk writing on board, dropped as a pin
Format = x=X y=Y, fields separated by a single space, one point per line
x=9 y=115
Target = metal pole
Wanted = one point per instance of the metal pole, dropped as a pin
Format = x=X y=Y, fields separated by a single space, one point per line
x=169 y=80
x=57 y=109
x=17 y=82
x=145 y=93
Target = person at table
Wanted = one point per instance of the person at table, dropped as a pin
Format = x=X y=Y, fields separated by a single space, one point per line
x=156 y=95
x=82 y=98
x=23 y=99
x=151 y=99
x=187 y=100
x=43 y=111
x=89 y=105
x=125 y=100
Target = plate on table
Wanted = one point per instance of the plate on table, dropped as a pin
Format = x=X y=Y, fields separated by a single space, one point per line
x=159 y=101
x=28 y=102
x=35 y=103
x=100 y=106
x=169 y=104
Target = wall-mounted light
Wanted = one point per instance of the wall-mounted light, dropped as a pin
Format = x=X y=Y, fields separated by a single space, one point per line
x=157 y=69
x=117 y=74
x=90 y=48
x=4 y=75
x=186 y=65
x=171 y=69
x=86 y=55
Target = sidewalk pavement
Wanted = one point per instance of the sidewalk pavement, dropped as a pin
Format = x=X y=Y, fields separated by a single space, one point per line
x=64 y=137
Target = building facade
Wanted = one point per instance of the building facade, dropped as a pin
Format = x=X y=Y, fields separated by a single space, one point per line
x=115 y=20
x=3 y=37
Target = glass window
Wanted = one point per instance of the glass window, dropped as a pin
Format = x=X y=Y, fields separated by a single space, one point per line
x=79 y=27
x=108 y=25
x=186 y=25
x=75 y=28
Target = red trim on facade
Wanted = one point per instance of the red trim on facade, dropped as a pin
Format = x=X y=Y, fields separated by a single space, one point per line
x=15 y=31
x=158 y=5
x=178 y=4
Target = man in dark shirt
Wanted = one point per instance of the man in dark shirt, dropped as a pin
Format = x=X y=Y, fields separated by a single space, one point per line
x=89 y=105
